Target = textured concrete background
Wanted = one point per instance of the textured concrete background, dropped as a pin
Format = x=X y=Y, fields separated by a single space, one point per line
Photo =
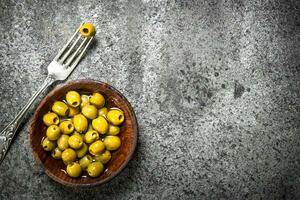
x=214 y=84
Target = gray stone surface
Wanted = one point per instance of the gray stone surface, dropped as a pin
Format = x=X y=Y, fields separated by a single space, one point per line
x=214 y=84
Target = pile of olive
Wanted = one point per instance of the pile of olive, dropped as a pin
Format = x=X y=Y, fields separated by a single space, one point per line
x=82 y=132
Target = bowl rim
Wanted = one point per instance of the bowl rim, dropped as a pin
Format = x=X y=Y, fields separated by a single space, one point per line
x=112 y=175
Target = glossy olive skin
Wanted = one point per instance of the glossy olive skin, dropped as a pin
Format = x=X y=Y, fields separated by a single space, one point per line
x=85 y=100
x=56 y=153
x=53 y=132
x=103 y=112
x=87 y=30
x=91 y=136
x=48 y=145
x=75 y=141
x=66 y=127
x=60 y=108
x=98 y=100
x=74 y=169
x=80 y=134
x=112 y=142
x=73 y=98
x=82 y=151
x=62 y=142
x=113 y=130
x=115 y=117
x=68 y=155
x=85 y=161
x=73 y=111
x=90 y=111
x=100 y=124
x=96 y=148
x=95 y=169
x=80 y=123
x=50 y=119
x=103 y=157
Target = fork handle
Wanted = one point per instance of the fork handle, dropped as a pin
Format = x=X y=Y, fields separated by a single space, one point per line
x=10 y=130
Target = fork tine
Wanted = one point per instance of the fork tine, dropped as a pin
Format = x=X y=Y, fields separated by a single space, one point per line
x=66 y=55
x=66 y=45
x=74 y=54
x=74 y=64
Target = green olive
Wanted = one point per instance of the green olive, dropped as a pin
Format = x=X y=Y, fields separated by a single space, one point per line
x=75 y=142
x=62 y=142
x=68 y=156
x=100 y=124
x=80 y=134
x=115 y=117
x=96 y=148
x=53 y=132
x=103 y=157
x=74 y=169
x=48 y=145
x=60 y=108
x=85 y=100
x=56 y=153
x=85 y=161
x=73 y=111
x=95 y=169
x=66 y=127
x=113 y=130
x=98 y=100
x=112 y=142
x=82 y=151
x=103 y=112
x=90 y=111
x=73 y=98
x=80 y=123
x=91 y=136
x=50 y=119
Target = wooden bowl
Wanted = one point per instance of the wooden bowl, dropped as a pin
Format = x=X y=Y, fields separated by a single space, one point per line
x=55 y=169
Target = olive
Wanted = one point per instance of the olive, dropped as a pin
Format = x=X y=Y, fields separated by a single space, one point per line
x=48 y=145
x=97 y=99
x=60 y=108
x=103 y=112
x=74 y=169
x=91 y=136
x=85 y=161
x=95 y=169
x=62 y=142
x=100 y=124
x=80 y=134
x=53 y=132
x=56 y=153
x=87 y=30
x=115 y=117
x=90 y=111
x=103 y=157
x=85 y=100
x=113 y=130
x=80 y=123
x=82 y=151
x=50 y=119
x=96 y=148
x=68 y=156
x=73 y=98
x=66 y=127
x=73 y=111
x=112 y=142
x=75 y=141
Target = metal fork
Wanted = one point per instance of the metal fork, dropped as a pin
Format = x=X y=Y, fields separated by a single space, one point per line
x=58 y=70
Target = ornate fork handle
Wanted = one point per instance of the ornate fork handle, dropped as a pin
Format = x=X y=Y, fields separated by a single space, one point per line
x=9 y=131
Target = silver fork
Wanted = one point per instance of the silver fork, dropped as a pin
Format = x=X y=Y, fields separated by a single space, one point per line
x=59 y=69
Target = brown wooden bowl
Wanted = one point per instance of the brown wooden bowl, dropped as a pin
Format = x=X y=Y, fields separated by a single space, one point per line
x=128 y=134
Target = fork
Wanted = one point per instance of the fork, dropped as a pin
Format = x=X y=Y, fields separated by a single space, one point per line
x=58 y=70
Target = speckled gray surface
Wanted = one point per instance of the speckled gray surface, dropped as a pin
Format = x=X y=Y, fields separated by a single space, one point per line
x=214 y=84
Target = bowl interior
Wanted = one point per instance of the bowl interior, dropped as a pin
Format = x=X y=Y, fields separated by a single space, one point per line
x=128 y=134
